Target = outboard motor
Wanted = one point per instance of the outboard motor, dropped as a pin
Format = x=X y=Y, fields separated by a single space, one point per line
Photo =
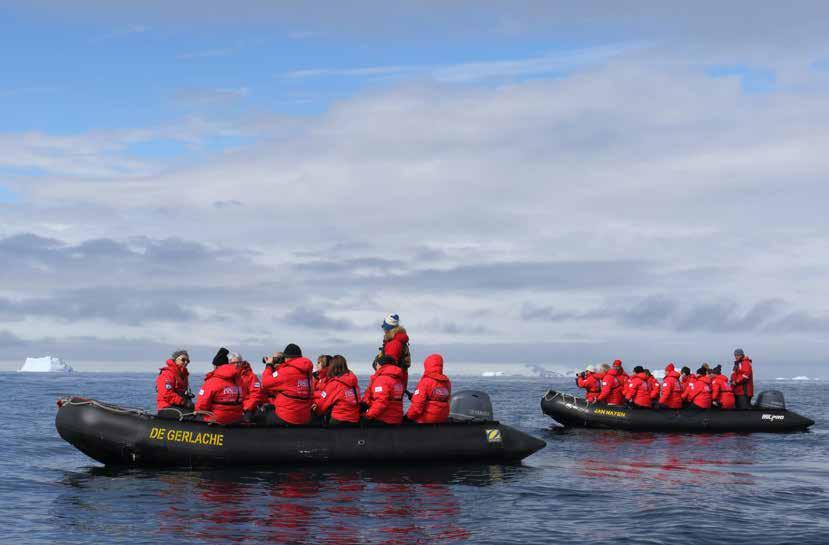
x=470 y=405
x=771 y=399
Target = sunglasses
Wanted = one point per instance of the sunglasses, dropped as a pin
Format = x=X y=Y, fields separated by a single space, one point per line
x=184 y=360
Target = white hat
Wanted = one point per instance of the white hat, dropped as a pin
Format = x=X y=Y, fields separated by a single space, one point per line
x=391 y=321
x=591 y=369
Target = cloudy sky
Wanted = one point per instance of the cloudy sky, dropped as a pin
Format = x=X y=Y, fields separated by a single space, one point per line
x=525 y=182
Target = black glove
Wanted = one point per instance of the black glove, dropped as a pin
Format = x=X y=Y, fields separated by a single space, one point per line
x=409 y=395
x=363 y=406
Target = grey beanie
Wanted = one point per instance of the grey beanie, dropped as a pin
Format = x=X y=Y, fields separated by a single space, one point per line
x=739 y=352
x=178 y=353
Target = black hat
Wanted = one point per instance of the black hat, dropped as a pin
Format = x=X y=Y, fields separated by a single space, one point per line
x=702 y=371
x=717 y=370
x=292 y=351
x=638 y=369
x=221 y=356
x=686 y=370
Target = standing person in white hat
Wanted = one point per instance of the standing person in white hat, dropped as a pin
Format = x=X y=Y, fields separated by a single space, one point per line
x=396 y=345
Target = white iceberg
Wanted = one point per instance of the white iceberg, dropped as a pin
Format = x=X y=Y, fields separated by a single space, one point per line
x=46 y=364
x=801 y=378
x=492 y=374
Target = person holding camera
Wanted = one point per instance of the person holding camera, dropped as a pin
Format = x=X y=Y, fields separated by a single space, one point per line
x=172 y=385
x=251 y=389
x=587 y=379
x=287 y=382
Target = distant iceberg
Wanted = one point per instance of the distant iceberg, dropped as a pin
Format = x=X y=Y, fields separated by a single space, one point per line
x=801 y=378
x=492 y=374
x=46 y=364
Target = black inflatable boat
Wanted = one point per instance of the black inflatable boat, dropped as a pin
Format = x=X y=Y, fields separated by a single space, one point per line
x=118 y=436
x=769 y=415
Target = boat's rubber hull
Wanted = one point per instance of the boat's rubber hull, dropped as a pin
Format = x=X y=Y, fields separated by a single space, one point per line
x=572 y=411
x=127 y=438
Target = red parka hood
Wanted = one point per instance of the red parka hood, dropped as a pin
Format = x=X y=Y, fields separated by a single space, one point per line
x=433 y=366
x=390 y=370
x=227 y=371
x=175 y=368
x=303 y=364
x=348 y=378
x=669 y=369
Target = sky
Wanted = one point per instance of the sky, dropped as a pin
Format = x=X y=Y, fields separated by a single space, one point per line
x=523 y=183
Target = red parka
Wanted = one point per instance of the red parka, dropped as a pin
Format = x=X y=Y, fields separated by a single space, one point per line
x=341 y=396
x=385 y=395
x=222 y=395
x=613 y=388
x=288 y=388
x=639 y=390
x=742 y=378
x=698 y=391
x=671 y=396
x=430 y=401
x=253 y=396
x=721 y=392
x=171 y=385
x=591 y=383
x=653 y=384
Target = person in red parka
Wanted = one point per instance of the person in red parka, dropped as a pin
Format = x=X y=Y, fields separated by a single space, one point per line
x=742 y=380
x=639 y=389
x=221 y=393
x=430 y=401
x=396 y=345
x=721 y=394
x=592 y=384
x=685 y=377
x=172 y=386
x=321 y=371
x=384 y=396
x=621 y=375
x=654 y=386
x=339 y=398
x=251 y=388
x=288 y=387
x=698 y=392
x=612 y=391
x=671 y=396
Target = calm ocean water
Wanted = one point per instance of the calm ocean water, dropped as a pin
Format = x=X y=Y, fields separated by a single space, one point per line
x=586 y=487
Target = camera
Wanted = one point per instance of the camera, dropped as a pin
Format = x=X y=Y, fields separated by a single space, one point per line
x=275 y=361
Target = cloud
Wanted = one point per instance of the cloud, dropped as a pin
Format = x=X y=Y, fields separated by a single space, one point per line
x=554 y=62
x=317 y=319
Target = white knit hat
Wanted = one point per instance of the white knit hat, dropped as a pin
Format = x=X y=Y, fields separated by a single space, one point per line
x=391 y=321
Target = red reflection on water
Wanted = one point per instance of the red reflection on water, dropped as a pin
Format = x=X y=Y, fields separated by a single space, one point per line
x=670 y=459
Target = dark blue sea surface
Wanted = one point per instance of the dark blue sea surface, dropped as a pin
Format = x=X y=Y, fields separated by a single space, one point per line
x=586 y=487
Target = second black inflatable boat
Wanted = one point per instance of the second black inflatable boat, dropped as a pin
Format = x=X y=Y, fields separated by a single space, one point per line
x=572 y=411
x=118 y=436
